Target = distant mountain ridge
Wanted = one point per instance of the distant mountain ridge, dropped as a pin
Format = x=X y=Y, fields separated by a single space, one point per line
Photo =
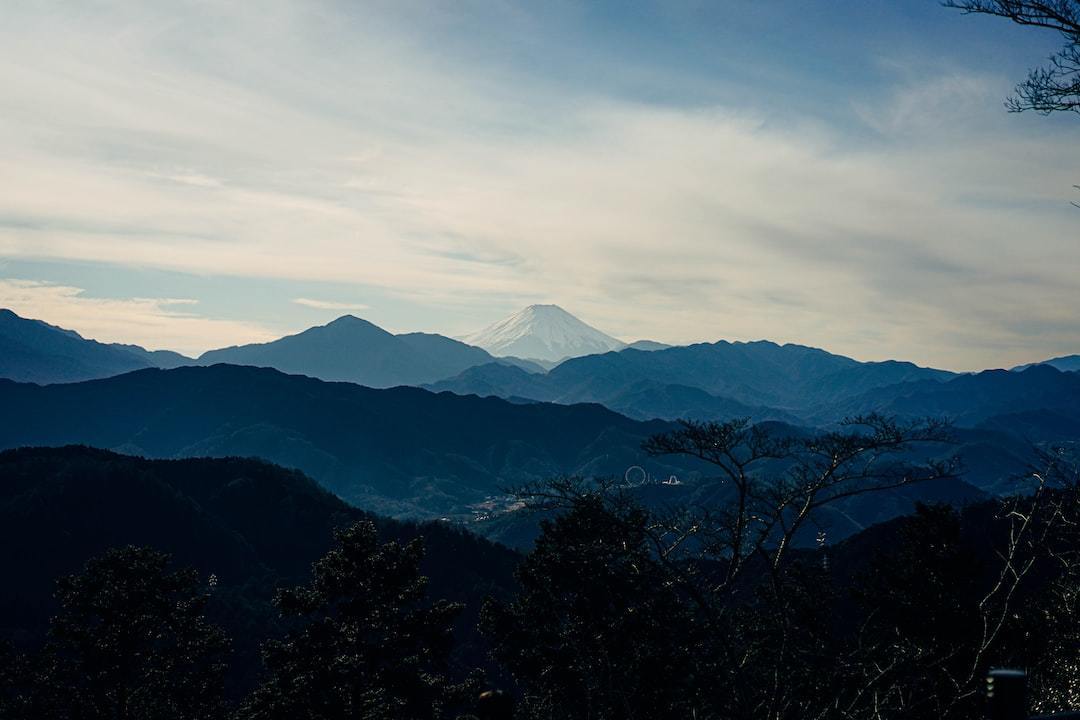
x=403 y=451
x=543 y=332
x=648 y=345
x=350 y=349
x=399 y=451
x=706 y=380
x=790 y=383
x=35 y=351
x=794 y=384
x=347 y=349
x=991 y=397
x=1065 y=363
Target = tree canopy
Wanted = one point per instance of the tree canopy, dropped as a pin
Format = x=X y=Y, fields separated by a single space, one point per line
x=368 y=646
x=131 y=642
x=1054 y=87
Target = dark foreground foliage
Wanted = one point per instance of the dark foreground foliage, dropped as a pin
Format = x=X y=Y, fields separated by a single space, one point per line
x=254 y=526
x=620 y=612
x=130 y=641
x=625 y=612
x=368 y=647
x=904 y=624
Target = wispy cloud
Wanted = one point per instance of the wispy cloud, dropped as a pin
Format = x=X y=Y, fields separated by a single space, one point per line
x=329 y=305
x=195 y=179
x=154 y=323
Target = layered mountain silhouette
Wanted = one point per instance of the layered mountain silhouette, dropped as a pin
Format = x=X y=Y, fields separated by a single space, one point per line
x=401 y=451
x=409 y=452
x=707 y=380
x=1065 y=363
x=543 y=332
x=762 y=380
x=354 y=350
x=34 y=351
x=1040 y=403
x=648 y=345
x=165 y=359
x=794 y=384
x=643 y=381
x=348 y=349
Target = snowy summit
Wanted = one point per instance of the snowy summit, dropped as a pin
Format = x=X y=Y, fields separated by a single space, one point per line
x=543 y=332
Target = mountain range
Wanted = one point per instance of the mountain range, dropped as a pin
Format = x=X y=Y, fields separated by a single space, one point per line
x=34 y=351
x=353 y=350
x=645 y=380
x=348 y=349
x=1065 y=363
x=705 y=380
x=408 y=452
x=761 y=379
x=401 y=451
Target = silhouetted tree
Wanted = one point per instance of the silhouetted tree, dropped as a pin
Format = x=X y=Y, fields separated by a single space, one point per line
x=1046 y=525
x=779 y=483
x=494 y=705
x=368 y=645
x=131 y=642
x=1056 y=86
x=705 y=611
x=598 y=630
x=16 y=683
x=920 y=596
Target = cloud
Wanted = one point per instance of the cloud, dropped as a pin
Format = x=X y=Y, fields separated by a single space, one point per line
x=329 y=305
x=154 y=323
x=916 y=220
x=935 y=103
x=195 y=179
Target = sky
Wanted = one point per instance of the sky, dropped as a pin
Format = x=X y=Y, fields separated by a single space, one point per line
x=835 y=173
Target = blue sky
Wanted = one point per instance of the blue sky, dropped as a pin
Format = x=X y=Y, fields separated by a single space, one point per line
x=836 y=173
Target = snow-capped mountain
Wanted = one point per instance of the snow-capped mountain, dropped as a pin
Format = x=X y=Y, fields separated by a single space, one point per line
x=543 y=332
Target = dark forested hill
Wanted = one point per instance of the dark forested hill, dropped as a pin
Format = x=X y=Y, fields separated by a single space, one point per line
x=402 y=451
x=253 y=525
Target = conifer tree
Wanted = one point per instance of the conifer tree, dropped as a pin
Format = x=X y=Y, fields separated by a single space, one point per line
x=367 y=647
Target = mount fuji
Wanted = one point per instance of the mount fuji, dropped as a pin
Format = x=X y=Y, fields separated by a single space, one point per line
x=543 y=332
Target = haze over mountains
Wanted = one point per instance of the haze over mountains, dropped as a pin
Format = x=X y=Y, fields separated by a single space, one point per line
x=34 y=351
x=445 y=450
x=1065 y=363
x=354 y=350
x=709 y=380
x=762 y=380
x=400 y=451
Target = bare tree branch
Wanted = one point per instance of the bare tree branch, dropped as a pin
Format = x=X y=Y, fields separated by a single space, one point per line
x=1056 y=86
